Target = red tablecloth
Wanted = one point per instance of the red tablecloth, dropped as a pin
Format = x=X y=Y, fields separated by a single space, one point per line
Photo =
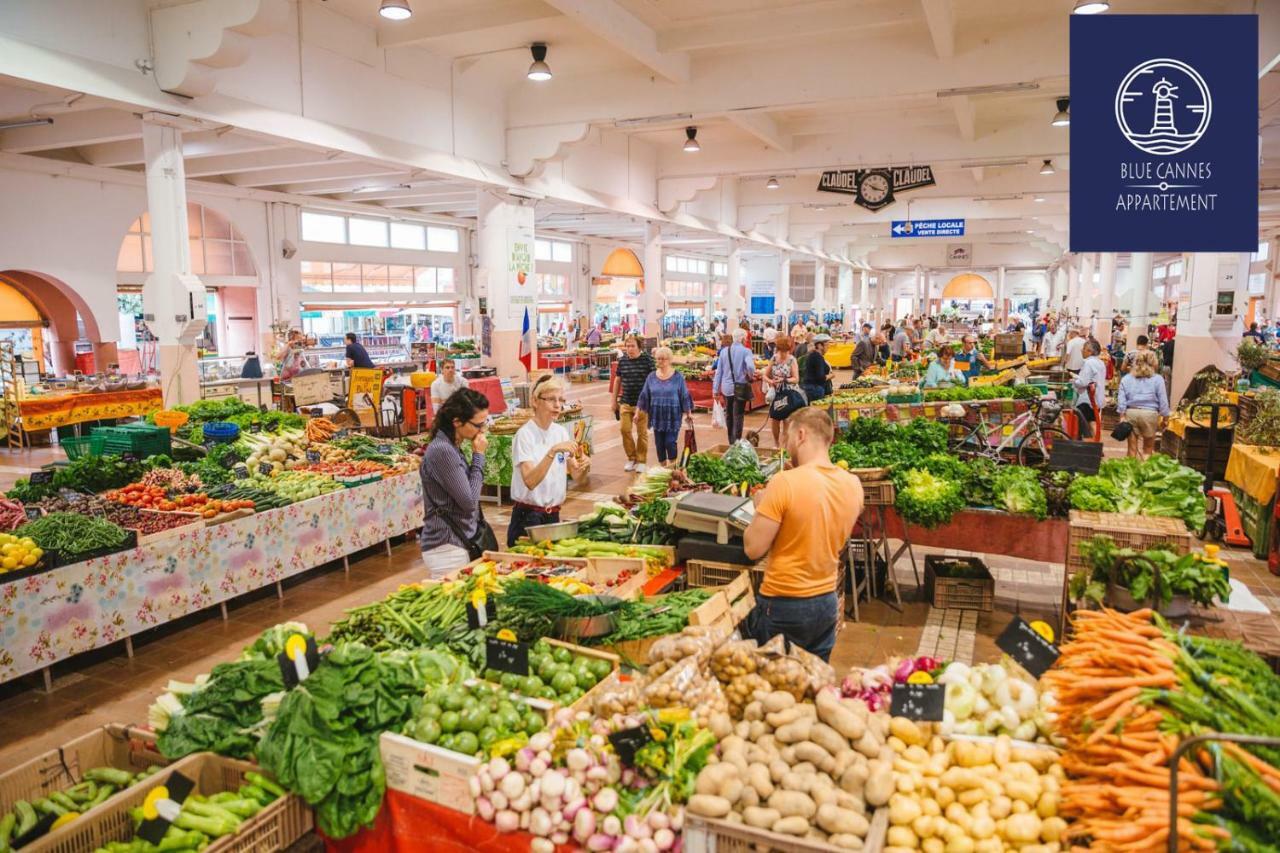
x=990 y=532
x=491 y=387
x=701 y=392
x=407 y=824
x=542 y=356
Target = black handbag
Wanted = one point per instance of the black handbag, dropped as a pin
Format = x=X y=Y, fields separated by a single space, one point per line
x=483 y=540
x=1122 y=431
x=786 y=400
x=741 y=390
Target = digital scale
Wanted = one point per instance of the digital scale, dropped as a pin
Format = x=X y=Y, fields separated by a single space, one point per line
x=708 y=512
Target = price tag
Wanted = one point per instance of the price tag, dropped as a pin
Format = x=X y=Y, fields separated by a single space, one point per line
x=506 y=656
x=628 y=742
x=313 y=455
x=918 y=701
x=384 y=449
x=298 y=660
x=209 y=444
x=255 y=427
x=162 y=806
x=221 y=490
x=41 y=476
x=240 y=471
x=482 y=615
x=33 y=512
x=273 y=426
x=229 y=461
x=265 y=469
x=342 y=433
x=1025 y=645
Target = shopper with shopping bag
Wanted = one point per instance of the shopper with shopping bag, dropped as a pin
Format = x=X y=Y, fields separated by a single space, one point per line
x=732 y=383
x=783 y=374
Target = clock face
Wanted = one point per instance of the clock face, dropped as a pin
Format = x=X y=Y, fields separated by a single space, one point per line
x=874 y=188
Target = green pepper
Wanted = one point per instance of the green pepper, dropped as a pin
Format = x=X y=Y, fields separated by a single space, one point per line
x=264 y=783
x=48 y=806
x=7 y=823
x=110 y=775
x=63 y=800
x=26 y=817
x=83 y=792
x=104 y=793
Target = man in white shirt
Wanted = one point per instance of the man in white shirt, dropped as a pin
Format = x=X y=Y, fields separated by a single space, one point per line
x=1054 y=338
x=446 y=383
x=1092 y=372
x=1074 y=359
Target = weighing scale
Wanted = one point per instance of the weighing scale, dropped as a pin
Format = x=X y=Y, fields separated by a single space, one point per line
x=708 y=512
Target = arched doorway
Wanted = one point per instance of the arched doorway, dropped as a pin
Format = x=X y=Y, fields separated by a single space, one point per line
x=52 y=321
x=220 y=256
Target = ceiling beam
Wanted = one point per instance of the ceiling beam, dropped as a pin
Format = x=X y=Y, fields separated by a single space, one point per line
x=966 y=116
x=73 y=130
x=810 y=19
x=941 y=18
x=259 y=161
x=763 y=127
x=412 y=190
x=460 y=198
x=206 y=143
x=626 y=33
x=308 y=174
x=470 y=20
x=347 y=185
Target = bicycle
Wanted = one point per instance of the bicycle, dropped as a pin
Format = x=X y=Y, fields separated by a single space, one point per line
x=1030 y=437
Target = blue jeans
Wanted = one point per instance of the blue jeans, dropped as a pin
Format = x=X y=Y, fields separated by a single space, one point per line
x=666 y=444
x=809 y=623
x=523 y=518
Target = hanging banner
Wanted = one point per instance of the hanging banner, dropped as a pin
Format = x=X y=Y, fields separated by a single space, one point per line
x=522 y=289
x=1164 y=133
x=875 y=188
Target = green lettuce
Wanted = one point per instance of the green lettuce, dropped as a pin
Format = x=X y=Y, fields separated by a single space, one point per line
x=927 y=500
x=1018 y=490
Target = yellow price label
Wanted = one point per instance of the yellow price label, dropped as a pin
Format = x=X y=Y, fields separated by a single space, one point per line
x=507 y=634
x=920 y=678
x=155 y=795
x=1043 y=629
x=296 y=646
x=478 y=598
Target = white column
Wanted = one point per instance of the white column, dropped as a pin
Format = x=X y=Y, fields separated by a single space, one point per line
x=173 y=299
x=504 y=246
x=1086 y=289
x=1202 y=338
x=864 y=298
x=1073 y=288
x=279 y=293
x=651 y=301
x=1061 y=286
x=783 y=303
x=999 y=313
x=1106 y=297
x=734 y=308
x=1140 y=310
x=918 y=300
x=819 y=303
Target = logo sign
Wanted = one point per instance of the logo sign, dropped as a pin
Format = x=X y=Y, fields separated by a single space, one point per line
x=1164 y=124
x=928 y=228
x=959 y=254
x=874 y=188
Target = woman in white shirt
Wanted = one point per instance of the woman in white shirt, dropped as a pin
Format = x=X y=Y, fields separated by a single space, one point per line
x=446 y=383
x=543 y=457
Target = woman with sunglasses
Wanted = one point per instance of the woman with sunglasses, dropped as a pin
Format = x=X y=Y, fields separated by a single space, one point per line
x=451 y=485
x=543 y=457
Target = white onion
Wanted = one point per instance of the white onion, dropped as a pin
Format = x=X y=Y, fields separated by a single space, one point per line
x=498 y=768
x=612 y=826
x=540 y=822
x=584 y=825
x=605 y=801
x=537 y=767
x=577 y=759
x=647 y=845
x=627 y=845
x=542 y=845
x=507 y=821
x=600 y=841
x=560 y=837
x=499 y=800
x=523 y=802
x=473 y=785
x=598 y=773
x=486 y=781
x=575 y=806
x=512 y=785
x=664 y=838
x=539 y=742
x=636 y=828
x=524 y=820
x=553 y=784
x=658 y=819
x=572 y=789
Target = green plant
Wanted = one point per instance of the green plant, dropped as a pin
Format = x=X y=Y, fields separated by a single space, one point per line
x=1264 y=428
x=1251 y=355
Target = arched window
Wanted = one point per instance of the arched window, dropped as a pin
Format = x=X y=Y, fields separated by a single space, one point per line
x=217 y=248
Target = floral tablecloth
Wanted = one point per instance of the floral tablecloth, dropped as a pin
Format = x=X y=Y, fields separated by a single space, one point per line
x=58 y=614
x=57 y=410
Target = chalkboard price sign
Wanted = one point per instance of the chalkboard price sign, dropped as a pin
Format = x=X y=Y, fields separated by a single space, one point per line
x=506 y=656
x=179 y=788
x=229 y=461
x=478 y=617
x=255 y=427
x=265 y=469
x=313 y=455
x=384 y=449
x=241 y=471
x=33 y=512
x=1025 y=645
x=41 y=477
x=918 y=701
x=222 y=490
x=628 y=742
x=342 y=433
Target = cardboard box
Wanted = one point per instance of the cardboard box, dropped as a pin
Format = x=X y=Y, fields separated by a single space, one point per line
x=421 y=770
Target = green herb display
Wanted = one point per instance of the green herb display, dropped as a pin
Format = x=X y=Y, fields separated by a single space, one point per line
x=963 y=393
x=667 y=614
x=1252 y=355
x=721 y=472
x=86 y=474
x=531 y=608
x=71 y=534
x=873 y=442
x=1156 y=573
x=981 y=483
x=1263 y=429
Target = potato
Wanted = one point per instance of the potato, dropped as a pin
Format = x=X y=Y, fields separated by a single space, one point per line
x=804 y=767
x=834 y=819
x=778 y=700
x=788 y=754
x=879 y=785
x=749 y=797
x=845 y=842
x=850 y=802
x=709 y=779
x=731 y=789
x=792 y=826
x=868 y=745
x=760 y=817
x=708 y=805
x=734 y=817
x=823 y=795
x=852 y=780
x=755 y=729
x=777 y=769
x=742 y=729
x=759 y=779
x=793 y=732
x=828 y=738
x=754 y=711
x=901 y=836
x=793 y=804
x=809 y=751
x=845 y=759
x=796 y=782
x=721 y=726
x=732 y=744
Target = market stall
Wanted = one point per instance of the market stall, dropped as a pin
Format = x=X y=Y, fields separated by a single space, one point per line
x=1251 y=474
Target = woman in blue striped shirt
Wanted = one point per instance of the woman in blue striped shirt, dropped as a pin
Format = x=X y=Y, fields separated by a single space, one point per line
x=1144 y=403
x=451 y=485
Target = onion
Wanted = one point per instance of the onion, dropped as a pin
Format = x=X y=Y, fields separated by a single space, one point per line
x=484 y=808
x=499 y=800
x=664 y=839
x=612 y=826
x=614 y=772
x=498 y=768
x=544 y=756
x=523 y=758
x=677 y=820
x=542 y=845
x=658 y=819
x=635 y=827
x=627 y=845
x=605 y=801
x=538 y=767
x=542 y=740
x=507 y=821
x=560 y=837
x=577 y=759
x=540 y=822
x=553 y=784
x=647 y=845
x=597 y=741
x=600 y=841
x=523 y=802
x=572 y=789
x=584 y=825
x=486 y=781
x=473 y=785
x=575 y=806
x=598 y=773
x=524 y=820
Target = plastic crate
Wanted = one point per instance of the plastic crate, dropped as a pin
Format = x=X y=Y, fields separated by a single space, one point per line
x=221 y=432
x=141 y=440
x=705 y=573
x=89 y=446
x=878 y=493
x=976 y=592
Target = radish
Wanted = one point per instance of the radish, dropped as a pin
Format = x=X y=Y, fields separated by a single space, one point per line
x=484 y=808
x=584 y=825
x=664 y=839
x=612 y=826
x=600 y=842
x=507 y=821
x=542 y=845
x=605 y=801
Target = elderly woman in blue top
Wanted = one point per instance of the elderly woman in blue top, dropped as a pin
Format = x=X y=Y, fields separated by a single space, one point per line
x=734 y=364
x=665 y=400
x=1143 y=402
x=942 y=372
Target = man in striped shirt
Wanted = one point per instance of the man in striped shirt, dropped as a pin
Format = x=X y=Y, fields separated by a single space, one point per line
x=633 y=368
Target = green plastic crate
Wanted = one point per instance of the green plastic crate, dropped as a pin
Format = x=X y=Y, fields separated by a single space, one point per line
x=139 y=439
x=91 y=445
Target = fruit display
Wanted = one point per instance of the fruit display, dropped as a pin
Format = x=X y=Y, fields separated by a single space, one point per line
x=280 y=450
x=556 y=674
x=475 y=719
x=18 y=552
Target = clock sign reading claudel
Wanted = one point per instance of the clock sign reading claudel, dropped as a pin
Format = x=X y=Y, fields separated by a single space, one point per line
x=875 y=188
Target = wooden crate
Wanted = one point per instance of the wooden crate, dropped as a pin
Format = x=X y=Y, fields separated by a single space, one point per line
x=705 y=835
x=276 y=827
x=878 y=493
x=584 y=701
x=57 y=769
x=728 y=606
x=707 y=573
x=1127 y=531
x=967 y=593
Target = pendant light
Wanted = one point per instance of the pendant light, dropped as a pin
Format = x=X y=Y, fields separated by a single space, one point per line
x=773 y=184
x=1047 y=168
x=395 y=10
x=539 y=70
x=691 y=143
x=1091 y=7
x=1063 y=117
x=622 y=263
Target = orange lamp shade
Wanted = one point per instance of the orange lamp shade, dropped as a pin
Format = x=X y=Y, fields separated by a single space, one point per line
x=622 y=263
x=968 y=286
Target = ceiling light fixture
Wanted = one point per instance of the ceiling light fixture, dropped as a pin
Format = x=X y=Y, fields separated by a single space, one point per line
x=539 y=70
x=1039 y=198
x=24 y=122
x=773 y=184
x=1091 y=7
x=1063 y=117
x=395 y=10
x=1047 y=168
x=691 y=142
x=993 y=89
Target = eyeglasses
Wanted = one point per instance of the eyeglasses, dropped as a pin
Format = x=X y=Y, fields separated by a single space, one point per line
x=559 y=401
x=482 y=425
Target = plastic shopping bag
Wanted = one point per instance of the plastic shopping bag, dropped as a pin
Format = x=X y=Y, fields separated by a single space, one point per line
x=717 y=415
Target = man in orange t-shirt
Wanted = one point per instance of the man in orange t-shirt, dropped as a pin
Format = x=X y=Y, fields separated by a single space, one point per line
x=803 y=519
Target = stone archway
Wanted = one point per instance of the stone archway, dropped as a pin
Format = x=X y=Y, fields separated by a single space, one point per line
x=63 y=310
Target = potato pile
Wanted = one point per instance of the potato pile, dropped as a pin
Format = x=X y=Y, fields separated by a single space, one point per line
x=971 y=797
x=814 y=770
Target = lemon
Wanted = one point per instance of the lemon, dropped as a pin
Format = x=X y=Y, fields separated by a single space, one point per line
x=38 y=552
x=9 y=563
x=920 y=677
x=29 y=560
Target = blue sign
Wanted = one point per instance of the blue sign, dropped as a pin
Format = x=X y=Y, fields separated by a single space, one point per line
x=1164 y=133
x=762 y=305
x=928 y=228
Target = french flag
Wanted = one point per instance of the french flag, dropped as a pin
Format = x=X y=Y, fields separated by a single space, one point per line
x=527 y=343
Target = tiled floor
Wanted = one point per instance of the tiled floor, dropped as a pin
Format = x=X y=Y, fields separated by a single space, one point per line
x=106 y=686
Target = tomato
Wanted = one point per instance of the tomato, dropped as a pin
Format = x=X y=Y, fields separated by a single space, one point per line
x=208 y=513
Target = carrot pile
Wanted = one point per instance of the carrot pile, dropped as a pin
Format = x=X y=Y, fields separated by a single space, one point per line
x=1116 y=754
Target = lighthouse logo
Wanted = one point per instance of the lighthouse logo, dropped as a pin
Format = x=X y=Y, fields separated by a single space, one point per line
x=1163 y=107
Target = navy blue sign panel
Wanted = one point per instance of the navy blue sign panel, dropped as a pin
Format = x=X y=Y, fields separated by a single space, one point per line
x=1164 y=133
x=927 y=228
